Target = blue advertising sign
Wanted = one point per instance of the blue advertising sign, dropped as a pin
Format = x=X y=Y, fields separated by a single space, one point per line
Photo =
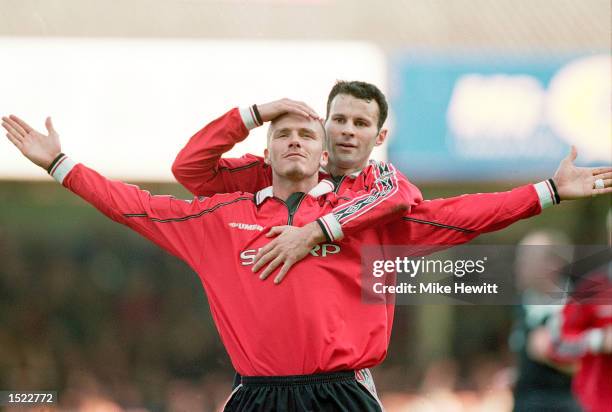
x=498 y=118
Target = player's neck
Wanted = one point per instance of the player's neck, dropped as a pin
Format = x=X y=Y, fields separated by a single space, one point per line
x=336 y=170
x=283 y=187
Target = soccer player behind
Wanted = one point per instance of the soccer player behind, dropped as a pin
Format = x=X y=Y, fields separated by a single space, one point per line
x=356 y=113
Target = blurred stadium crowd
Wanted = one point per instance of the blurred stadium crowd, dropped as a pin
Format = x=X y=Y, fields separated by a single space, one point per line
x=121 y=325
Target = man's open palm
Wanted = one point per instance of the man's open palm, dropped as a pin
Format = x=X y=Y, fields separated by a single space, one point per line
x=39 y=148
x=579 y=182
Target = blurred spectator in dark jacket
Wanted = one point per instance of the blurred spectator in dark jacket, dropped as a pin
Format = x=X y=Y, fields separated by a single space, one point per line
x=543 y=383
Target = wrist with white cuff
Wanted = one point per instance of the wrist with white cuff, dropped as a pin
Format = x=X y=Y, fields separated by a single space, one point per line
x=251 y=117
x=331 y=227
x=547 y=192
x=60 y=166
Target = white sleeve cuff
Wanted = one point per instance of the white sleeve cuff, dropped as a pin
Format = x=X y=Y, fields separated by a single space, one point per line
x=545 y=193
x=61 y=168
x=332 y=227
x=248 y=117
x=595 y=340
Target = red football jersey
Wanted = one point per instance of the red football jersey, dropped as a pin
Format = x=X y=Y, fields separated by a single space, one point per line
x=314 y=321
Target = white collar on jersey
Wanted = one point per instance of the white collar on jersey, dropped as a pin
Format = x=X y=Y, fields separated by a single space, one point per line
x=323 y=187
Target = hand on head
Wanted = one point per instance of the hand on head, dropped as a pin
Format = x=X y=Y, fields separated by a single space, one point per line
x=277 y=108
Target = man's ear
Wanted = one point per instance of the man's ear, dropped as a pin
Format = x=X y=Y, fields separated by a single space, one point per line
x=266 y=156
x=382 y=136
x=324 y=158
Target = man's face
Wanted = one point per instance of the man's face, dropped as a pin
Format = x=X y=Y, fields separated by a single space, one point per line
x=352 y=131
x=295 y=147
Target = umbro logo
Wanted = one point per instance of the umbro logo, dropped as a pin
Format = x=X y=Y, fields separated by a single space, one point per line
x=245 y=226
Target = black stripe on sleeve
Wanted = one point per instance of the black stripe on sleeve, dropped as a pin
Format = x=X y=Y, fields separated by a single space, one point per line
x=194 y=216
x=427 y=222
x=236 y=169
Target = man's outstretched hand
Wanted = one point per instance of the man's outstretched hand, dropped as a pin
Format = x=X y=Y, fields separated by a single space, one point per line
x=39 y=148
x=579 y=182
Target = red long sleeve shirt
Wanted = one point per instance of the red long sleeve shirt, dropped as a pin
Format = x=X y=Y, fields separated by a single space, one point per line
x=313 y=322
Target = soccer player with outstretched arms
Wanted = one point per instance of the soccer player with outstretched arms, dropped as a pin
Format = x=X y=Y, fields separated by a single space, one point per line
x=303 y=349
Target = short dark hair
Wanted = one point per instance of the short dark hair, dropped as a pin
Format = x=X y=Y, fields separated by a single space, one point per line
x=364 y=91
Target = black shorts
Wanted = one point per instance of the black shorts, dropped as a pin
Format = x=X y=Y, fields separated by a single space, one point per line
x=336 y=391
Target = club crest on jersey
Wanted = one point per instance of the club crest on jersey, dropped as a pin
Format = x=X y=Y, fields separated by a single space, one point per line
x=247 y=257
